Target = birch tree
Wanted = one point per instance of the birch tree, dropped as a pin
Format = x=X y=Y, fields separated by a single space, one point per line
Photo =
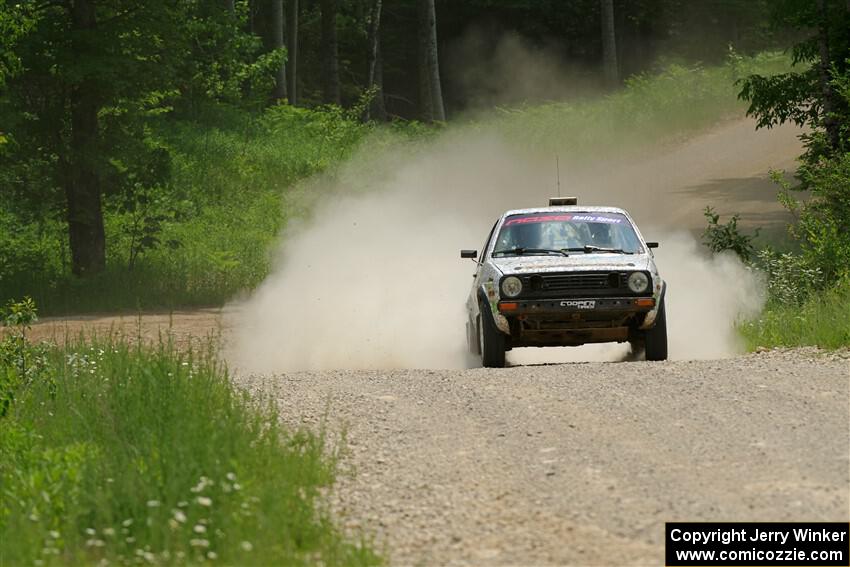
x=374 y=73
x=292 y=50
x=609 y=43
x=330 y=55
x=278 y=23
x=431 y=94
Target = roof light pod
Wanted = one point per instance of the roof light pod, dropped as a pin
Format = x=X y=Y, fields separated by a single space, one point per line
x=562 y=201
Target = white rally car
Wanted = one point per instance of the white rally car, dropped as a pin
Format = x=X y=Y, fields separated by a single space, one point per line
x=565 y=275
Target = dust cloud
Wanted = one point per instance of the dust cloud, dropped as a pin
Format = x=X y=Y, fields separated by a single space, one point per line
x=507 y=69
x=373 y=279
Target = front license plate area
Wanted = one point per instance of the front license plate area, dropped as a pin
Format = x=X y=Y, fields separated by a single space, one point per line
x=583 y=304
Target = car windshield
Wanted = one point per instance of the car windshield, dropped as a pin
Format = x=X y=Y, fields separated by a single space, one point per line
x=573 y=232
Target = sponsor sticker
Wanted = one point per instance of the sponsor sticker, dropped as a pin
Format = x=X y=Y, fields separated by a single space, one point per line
x=586 y=304
x=610 y=218
x=538 y=218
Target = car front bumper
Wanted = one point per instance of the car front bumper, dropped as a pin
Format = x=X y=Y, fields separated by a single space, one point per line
x=574 y=320
x=544 y=307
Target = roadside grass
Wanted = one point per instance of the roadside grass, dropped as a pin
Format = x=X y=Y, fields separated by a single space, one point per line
x=232 y=174
x=674 y=101
x=149 y=455
x=823 y=320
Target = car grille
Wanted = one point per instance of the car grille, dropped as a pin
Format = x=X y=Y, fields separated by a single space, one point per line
x=569 y=282
x=584 y=284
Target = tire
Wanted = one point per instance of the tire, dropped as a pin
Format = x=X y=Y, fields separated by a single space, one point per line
x=492 y=341
x=656 y=337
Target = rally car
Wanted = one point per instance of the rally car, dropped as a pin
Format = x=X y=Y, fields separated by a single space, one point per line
x=565 y=275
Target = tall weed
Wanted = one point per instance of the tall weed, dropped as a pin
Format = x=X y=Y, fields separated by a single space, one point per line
x=153 y=456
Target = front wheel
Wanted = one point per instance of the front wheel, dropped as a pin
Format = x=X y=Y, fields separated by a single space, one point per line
x=656 y=337
x=491 y=340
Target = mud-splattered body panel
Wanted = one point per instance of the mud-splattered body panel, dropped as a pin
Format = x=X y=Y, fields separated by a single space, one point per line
x=568 y=296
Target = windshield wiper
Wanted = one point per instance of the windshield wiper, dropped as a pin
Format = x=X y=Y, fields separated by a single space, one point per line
x=587 y=249
x=520 y=251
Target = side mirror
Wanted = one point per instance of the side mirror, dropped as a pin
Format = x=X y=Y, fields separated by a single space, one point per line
x=652 y=245
x=473 y=254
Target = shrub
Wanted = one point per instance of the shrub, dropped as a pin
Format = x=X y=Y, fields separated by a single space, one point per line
x=824 y=218
x=822 y=320
x=721 y=237
x=789 y=277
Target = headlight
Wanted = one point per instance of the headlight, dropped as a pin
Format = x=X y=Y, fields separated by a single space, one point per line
x=511 y=286
x=638 y=282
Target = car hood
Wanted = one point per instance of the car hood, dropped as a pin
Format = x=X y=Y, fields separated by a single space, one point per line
x=514 y=265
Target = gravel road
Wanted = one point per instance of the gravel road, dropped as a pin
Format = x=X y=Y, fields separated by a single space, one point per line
x=575 y=464
x=578 y=464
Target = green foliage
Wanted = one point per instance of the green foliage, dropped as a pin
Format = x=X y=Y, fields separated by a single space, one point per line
x=203 y=237
x=790 y=279
x=823 y=320
x=153 y=454
x=207 y=234
x=721 y=237
x=823 y=215
x=652 y=107
x=16 y=21
x=810 y=94
x=20 y=362
x=20 y=314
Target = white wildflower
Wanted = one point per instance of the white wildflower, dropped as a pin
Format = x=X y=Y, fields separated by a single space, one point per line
x=127 y=523
x=231 y=476
x=200 y=529
x=204 y=501
x=109 y=531
x=153 y=504
x=199 y=543
x=203 y=482
x=90 y=531
x=212 y=555
x=54 y=534
x=246 y=546
x=179 y=516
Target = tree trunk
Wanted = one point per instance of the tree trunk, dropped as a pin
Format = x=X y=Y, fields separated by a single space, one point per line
x=374 y=74
x=330 y=55
x=81 y=181
x=833 y=129
x=292 y=48
x=278 y=23
x=379 y=105
x=429 y=72
x=620 y=34
x=426 y=113
x=609 y=44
